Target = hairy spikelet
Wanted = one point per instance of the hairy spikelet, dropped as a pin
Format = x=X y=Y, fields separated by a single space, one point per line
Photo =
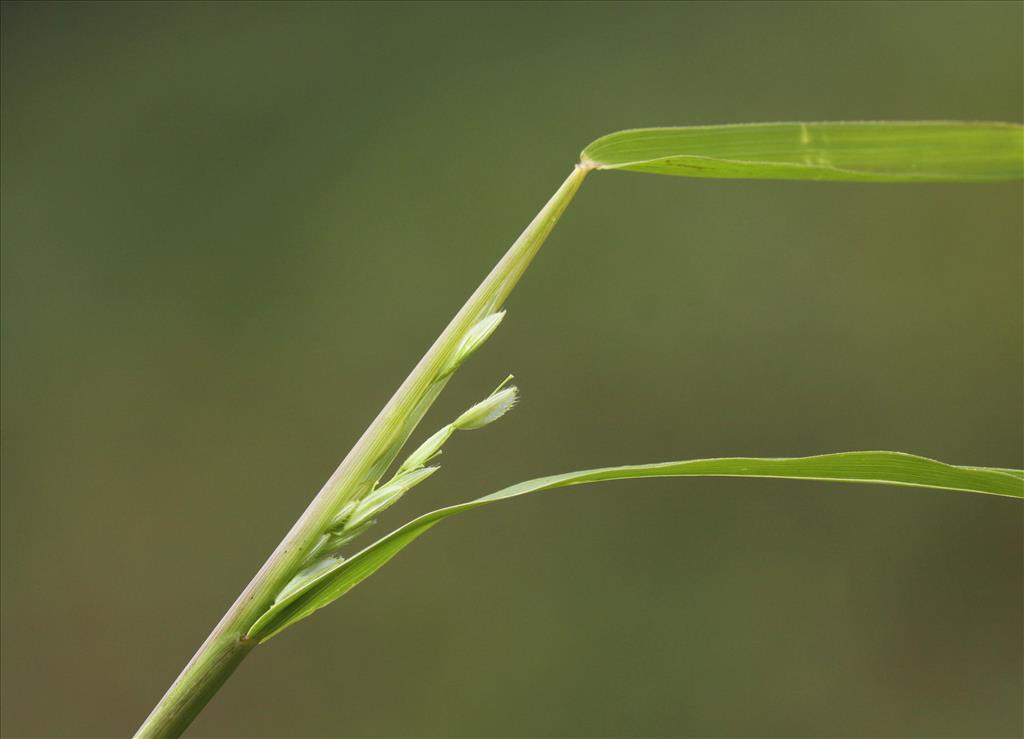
x=488 y=410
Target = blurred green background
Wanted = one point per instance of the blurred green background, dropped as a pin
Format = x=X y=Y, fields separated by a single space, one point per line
x=229 y=231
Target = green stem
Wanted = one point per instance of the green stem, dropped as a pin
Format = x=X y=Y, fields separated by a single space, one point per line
x=227 y=644
x=202 y=677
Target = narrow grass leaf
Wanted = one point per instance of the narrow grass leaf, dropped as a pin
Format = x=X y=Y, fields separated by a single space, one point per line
x=888 y=468
x=929 y=151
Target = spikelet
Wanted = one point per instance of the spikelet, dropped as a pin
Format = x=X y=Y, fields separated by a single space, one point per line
x=428 y=449
x=488 y=410
x=339 y=538
x=342 y=515
x=478 y=333
x=386 y=495
x=305 y=575
x=336 y=537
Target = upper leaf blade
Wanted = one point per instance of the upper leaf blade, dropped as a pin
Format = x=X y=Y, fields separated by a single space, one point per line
x=891 y=468
x=929 y=151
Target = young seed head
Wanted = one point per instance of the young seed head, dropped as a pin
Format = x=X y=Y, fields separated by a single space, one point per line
x=477 y=335
x=488 y=410
x=306 y=575
x=317 y=550
x=427 y=450
x=386 y=495
x=337 y=539
x=395 y=488
x=341 y=516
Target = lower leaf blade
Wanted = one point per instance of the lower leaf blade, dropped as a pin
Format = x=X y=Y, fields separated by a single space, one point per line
x=885 y=468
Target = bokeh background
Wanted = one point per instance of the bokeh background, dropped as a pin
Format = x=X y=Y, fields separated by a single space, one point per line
x=229 y=230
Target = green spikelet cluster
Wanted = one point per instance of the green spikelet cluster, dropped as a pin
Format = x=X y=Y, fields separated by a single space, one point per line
x=359 y=514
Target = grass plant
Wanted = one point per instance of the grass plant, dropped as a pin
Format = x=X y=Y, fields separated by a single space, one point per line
x=309 y=569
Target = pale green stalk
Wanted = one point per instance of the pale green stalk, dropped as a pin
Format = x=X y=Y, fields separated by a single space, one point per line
x=227 y=645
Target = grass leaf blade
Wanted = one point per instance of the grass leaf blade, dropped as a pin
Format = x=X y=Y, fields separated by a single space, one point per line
x=877 y=151
x=889 y=468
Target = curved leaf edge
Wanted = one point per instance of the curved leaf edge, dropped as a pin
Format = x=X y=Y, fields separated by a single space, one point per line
x=887 y=468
